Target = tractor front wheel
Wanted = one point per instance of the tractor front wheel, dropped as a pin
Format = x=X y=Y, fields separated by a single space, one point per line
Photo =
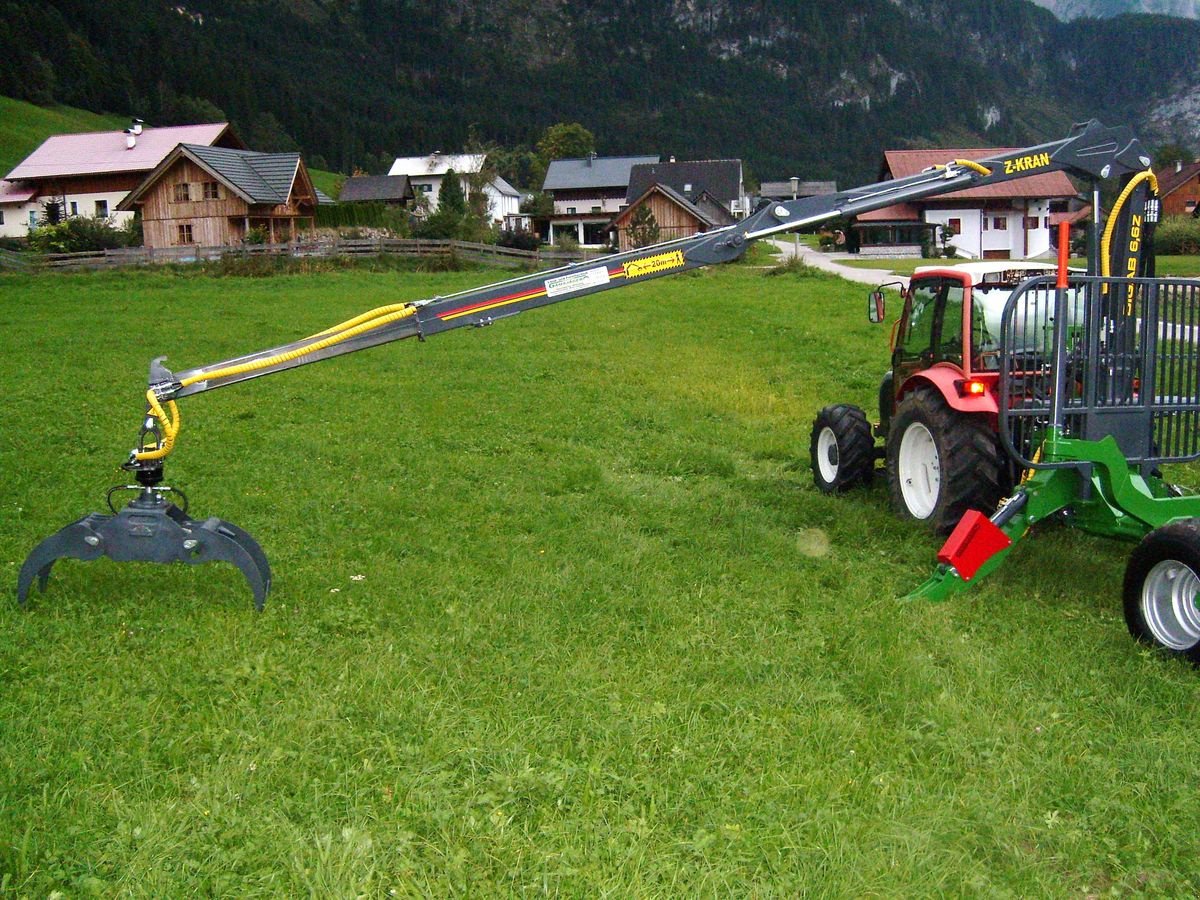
x=940 y=463
x=842 y=448
x=1161 y=587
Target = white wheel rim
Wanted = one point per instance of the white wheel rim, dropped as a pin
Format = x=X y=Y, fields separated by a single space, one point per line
x=919 y=470
x=1169 y=604
x=828 y=459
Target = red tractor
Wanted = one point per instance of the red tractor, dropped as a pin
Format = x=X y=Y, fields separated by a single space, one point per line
x=938 y=404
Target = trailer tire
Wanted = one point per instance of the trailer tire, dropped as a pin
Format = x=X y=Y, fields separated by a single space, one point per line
x=1162 y=584
x=940 y=463
x=842 y=449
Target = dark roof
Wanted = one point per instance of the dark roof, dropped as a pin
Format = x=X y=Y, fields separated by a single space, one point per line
x=592 y=172
x=720 y=178
x=258 y=178
x=1170 y=180
x=376 y=187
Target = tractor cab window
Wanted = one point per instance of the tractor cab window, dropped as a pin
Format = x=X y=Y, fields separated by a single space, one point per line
x=933 y=330
x=917 y=338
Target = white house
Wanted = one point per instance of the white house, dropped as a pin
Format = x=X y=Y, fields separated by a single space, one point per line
x=588 y=193
x=1010 y=220
x=426 y=173
x=90 y=173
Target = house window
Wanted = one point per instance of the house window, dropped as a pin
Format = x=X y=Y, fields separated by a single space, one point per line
x=570 y=210
x=211 y=191
x=33 y=218
x=687 y=188
x=595 y=209
x=1031 y=223
x=985 y=223
x=1046 y=223
x=74 y=207
x=426 y=188
x=1 y=217
x=101 y=209
x=955 y=225
x=1000 y=223
x=1190 y=205
x=180 y=193
x=184 y=234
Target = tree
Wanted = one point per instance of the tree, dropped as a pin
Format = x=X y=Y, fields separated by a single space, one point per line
x=643 y=227
x=1166 y=156
x=566 y=140
x=450 y=195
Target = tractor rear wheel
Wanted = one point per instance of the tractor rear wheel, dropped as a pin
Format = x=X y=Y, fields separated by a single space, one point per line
x=940 y=463
x=1162 y=582
x=842 y=449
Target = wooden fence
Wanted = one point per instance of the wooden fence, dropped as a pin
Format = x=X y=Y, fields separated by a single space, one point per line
x=138 y=256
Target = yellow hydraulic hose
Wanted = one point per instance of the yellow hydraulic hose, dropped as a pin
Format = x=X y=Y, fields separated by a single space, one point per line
x=974 y=166
x=1111 y=225
x=360 y=324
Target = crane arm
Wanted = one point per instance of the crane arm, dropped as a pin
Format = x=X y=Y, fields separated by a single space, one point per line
x=1091 y=150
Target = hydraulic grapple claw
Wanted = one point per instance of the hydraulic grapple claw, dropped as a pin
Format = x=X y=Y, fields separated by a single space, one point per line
x=149 y=529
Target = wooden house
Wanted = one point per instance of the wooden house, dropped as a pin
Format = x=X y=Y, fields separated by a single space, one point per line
x=675 y=215
x=214 y=196
x=1179 y=189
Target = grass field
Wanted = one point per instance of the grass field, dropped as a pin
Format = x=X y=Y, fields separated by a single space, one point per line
x=557 y=610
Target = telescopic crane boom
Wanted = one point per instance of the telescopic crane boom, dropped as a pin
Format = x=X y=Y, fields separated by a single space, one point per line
x=151 y=528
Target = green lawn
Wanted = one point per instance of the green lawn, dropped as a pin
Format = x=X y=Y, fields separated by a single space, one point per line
x=557 y=610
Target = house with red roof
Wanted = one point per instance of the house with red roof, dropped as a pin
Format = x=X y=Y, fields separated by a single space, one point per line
x=90 y=173
x=1179 y=189
x=1011 y=220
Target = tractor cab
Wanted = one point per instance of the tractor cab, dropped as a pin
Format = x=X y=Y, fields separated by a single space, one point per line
x=948 y=334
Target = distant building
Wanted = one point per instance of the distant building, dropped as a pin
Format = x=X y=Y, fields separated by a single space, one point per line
x=426 y=174
x=782 y=190
x=213 y=196
x=1179 y=189
x=90 y=174
x=394 y=190
x=587 y=193
x=1010 y=220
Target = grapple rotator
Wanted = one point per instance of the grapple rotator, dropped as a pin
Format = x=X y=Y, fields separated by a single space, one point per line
x=149 y=528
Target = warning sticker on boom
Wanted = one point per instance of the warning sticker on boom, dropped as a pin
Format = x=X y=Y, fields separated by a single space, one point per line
x=654 y=264
x=576 y=281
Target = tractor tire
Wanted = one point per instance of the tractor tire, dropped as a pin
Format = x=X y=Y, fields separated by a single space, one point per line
x=842 y=449
x=1162 y=581
x=941 y=463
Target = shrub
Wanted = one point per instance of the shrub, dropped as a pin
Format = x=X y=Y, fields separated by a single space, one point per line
x=518 y=240
x=79 y=234
x=1177 y=236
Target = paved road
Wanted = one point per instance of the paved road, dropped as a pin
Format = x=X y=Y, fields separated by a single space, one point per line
x=830 y=262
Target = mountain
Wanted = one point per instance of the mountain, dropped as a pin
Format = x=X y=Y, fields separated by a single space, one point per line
x=793 y=87
x=1105 y=9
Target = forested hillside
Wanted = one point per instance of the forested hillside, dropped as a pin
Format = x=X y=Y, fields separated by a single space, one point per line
x=791 y=87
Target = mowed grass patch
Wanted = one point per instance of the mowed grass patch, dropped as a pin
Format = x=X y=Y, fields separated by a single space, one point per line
x=556 y=610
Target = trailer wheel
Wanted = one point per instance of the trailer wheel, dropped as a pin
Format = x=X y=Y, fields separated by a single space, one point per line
x=940 y=463
x=842 y=448
x=1161 y=588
